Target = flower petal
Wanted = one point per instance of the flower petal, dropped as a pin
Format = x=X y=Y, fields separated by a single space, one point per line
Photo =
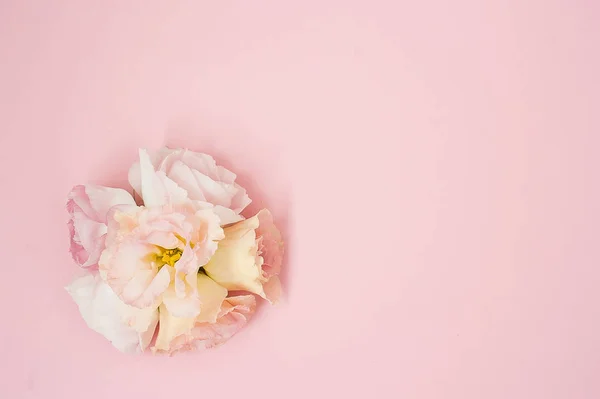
x=88 y=231
x=135 y=280
x=182 y=334
x=181 y=298
x=183 y=175
x=203 y=163
x=272 y=289
x=226 y=215
x=249 y=257
x=236 y=265
x=211 y=296
x=234 y=315
x=195 y=173
x=129 y=329
x=155 y=188
x=207 y=232
x=171 y=327
x=103 y=198
x=271 y=247
x=87 y=240
x=150 y=189
x=88 y=207
x=215 y=192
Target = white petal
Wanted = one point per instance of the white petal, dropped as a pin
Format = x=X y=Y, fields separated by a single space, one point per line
x=227 y=216
x=155 y=188
x=129 y=329
x=148 y=181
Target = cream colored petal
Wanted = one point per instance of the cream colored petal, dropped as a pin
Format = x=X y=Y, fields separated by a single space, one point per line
x=171 y=327
x=211 y=296
x=235 y=265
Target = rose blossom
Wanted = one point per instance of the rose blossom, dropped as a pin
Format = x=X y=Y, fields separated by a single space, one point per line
x=153 y=255
x=173 y=260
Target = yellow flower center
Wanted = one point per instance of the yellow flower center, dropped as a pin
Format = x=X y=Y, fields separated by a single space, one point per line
x=170 y=256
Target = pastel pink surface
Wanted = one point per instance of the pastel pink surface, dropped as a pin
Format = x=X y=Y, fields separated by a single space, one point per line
x=433 y=166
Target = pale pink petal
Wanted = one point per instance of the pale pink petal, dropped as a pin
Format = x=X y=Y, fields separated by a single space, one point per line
x=135 y=280
x=240 y=200
x=188 y=263
x=271 y=245
x=88 y=231
x=164 y=239
x=87 y=240
x=182 y=298
x=207 y=231
x=235 y=314
x=153 y=291
x=78 y=252
x=88 y=207
x=272 y=289
x=78 y=201
x=95 y=252
x=103 y=198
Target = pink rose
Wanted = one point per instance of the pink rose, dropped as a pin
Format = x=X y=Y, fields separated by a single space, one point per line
x=249 y=257
x=173 y=260
x=154 y=254
x=88 y=206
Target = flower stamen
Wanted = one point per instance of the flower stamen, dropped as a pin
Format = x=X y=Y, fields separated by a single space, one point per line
x=170 y=256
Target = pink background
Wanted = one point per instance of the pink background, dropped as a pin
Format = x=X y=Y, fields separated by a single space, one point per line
x=433 y=165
